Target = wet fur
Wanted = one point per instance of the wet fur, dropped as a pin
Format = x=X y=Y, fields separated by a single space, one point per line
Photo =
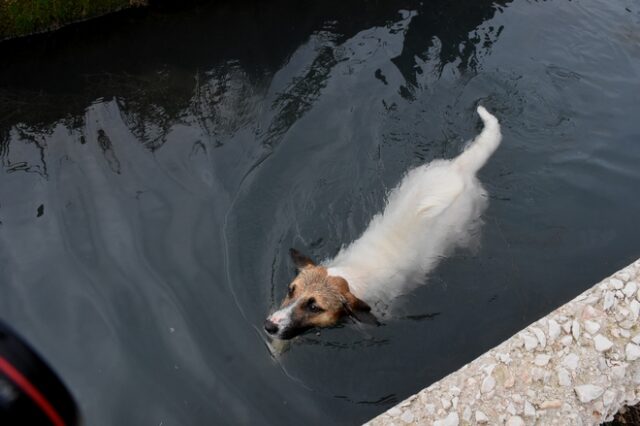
x=435 y=208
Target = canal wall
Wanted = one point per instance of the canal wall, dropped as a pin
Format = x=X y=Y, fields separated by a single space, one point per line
x=579 y=365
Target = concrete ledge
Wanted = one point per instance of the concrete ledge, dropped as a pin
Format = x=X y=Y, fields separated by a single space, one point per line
x=578 y=365
x=24 y=17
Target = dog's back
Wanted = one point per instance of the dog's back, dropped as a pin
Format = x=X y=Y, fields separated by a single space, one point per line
x=436 y=208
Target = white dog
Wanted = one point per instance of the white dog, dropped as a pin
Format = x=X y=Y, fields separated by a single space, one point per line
x=431 y=212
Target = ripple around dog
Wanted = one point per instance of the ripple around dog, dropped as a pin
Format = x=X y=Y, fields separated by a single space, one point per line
x=435 y=209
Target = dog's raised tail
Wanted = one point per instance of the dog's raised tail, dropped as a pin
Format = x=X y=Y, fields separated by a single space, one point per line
x=480 y=149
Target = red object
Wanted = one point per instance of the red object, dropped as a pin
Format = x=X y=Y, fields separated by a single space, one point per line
x=25 y=385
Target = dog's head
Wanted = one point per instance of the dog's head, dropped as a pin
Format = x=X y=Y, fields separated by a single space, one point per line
x=315 y=299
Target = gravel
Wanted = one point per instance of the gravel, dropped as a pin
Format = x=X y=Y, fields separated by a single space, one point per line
x=578 y=365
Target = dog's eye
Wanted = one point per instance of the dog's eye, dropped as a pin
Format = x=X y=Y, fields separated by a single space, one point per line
x=313 y=306
x=292 y=289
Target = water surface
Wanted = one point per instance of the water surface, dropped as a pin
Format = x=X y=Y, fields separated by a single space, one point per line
x=158 y=165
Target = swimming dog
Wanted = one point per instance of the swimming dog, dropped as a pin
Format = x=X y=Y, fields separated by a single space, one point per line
x=435 y=208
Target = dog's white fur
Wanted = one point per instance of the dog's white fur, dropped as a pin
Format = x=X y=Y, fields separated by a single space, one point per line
x=435 y=209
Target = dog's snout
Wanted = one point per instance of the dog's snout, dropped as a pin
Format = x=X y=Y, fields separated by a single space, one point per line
x=270 y=327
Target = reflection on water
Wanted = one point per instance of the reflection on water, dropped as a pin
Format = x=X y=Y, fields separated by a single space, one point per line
x=220 y=94
x=157 y=166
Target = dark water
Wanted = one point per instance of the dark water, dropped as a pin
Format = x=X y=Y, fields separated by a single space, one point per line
x=157 y=166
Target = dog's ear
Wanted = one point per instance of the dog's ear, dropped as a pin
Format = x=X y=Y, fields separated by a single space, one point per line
x=300 y=260
x=359 y=310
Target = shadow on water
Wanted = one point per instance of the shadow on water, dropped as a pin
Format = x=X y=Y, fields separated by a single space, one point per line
x=157 y=166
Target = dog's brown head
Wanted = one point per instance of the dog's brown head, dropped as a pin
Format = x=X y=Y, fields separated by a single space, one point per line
x=315 y=299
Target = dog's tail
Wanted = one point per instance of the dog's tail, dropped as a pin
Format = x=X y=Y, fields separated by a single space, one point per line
x=480 y=149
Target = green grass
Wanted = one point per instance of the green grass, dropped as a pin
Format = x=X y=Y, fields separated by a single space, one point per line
x=23 y=17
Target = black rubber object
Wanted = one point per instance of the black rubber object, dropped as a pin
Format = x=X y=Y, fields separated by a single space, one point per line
x=30 y=392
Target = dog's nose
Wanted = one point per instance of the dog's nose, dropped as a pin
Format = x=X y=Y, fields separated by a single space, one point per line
x=270 y=327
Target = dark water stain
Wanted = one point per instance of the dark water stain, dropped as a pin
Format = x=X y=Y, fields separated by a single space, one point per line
x=181 y=152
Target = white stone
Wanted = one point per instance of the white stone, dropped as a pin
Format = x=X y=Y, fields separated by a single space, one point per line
x=488 y=384
x=554 y=330
x=630 y=396
x=515 y=421
x=537 y=374
x=454 y=402
x=567 y=327
x=446 y=403
x=589 y=312
x=454 y=390
x=591 y=300
x=619 y=294
x=551 y=404
x=624 y=275
x=530 y=342
x=571 y=361
x=627 y=324
x=630 y=289
x=564 y=378
x=601 y=343
x=529 y=410
x=481 y=418
x=575 y=330
x=616 y=283
x=542 y=339
x=598 y=406
x=466 y=414
x=451 y=420
x=634 y=307
x=511 y=409
x=488 y=369
x=636 y=339
x=587 y=393
x=542 y=360
x=608 y=397
x=591 y=326
x=566 y=340
x=602 y=364
x=609 y=298
x=619 y=371
x=632 y=352
x=407 y=417
x=504 y=358
x=394 y=412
